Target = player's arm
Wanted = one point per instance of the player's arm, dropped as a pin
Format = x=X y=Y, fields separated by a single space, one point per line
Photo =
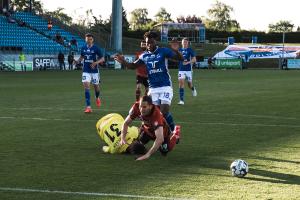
x=192 y=61
x=157 y=143
x=79 y=60
x=99 y=61
x=124 y=131
x=122 y=61
x=175 y=53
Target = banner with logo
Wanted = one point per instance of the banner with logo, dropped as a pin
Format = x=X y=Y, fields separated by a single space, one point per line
x=45 y=63
x=257 y=51
x=19 y=66
x=293 y=63
x=228 y=63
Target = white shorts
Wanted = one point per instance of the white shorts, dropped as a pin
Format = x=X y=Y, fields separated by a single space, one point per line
x=161 y=95
x=93 y=78
x=188 y=75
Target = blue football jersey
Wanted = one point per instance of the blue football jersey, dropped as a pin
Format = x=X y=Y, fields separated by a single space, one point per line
x=157 y=66
x=90 y=55
x=188 y=54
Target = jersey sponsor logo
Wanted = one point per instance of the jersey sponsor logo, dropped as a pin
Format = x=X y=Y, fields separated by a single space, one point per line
x=88 y=61
x=153 y=71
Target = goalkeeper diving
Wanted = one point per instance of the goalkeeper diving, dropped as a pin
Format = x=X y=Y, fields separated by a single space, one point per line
x=109 y=130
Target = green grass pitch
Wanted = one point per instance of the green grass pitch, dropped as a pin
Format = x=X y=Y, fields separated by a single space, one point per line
x=48 y=143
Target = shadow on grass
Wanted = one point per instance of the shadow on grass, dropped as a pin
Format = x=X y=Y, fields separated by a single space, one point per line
x=274 y=159
x=277 y=177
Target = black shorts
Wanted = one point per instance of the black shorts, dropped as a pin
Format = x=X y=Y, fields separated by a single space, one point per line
x=142 y=80
x=145 y=138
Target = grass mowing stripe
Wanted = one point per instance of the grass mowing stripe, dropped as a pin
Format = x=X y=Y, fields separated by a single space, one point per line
x=185 y=112
x=179 y=122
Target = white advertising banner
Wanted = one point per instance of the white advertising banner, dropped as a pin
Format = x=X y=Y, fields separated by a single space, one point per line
x=257 y=51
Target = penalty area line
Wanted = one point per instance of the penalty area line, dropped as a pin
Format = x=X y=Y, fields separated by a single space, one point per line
x=9 y=189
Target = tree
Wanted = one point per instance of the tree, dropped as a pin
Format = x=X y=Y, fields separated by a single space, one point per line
x=189 y=19
x=139 y=17
x=281 y=26
x=220 y=18
x=24 y=5
x=60 y=15
x=298 y=29
x=163 y=16
x=125 y=23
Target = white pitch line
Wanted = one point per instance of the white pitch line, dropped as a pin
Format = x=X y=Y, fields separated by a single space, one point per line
x=179 y=122
x=48 y=119
x=63 y=109
x=243 y=124
x=87 y=193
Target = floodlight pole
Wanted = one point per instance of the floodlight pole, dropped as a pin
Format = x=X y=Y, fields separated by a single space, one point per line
x=116 y=26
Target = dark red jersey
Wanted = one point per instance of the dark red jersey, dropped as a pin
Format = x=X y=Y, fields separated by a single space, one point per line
x=150 y=122
x=141 y=70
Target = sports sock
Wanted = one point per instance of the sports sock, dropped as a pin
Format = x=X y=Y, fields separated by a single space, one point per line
x=193 y=88
x=172 y=142
x=170 y=121
x=181 y=93
x=87 y=97
x=97 y=94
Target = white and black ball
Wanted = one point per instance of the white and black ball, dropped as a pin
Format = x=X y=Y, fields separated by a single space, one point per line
x=239 y=168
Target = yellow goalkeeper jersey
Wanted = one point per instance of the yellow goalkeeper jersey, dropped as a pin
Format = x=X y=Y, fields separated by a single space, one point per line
x=109 y=130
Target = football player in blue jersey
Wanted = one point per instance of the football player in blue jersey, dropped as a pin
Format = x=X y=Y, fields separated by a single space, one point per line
x=91 y=56
x=160 y=84
x=186 y=69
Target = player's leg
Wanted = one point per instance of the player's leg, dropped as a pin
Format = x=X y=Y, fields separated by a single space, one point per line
x=144 y=138
x=95 y=82
x=190 y=83
x=138 y=88
x=181 y=78
x=165 y=102
x=146 y=85
x=86 y=79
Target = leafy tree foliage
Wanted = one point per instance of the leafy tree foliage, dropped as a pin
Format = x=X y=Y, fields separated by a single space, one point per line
x=139 y=18
x=281 y=26
x=219 y=18
x=189 y=19
x=24 y=5
x=163 y=16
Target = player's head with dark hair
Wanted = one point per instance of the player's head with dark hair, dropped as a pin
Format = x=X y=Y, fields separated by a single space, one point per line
x=150 y=35
x=137 y=148
x=143 y=45
x=150 y=38
x=146 y=105
x=174 y=43
x=89 y=38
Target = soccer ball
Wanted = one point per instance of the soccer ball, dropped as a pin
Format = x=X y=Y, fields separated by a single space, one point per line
x=239 y=168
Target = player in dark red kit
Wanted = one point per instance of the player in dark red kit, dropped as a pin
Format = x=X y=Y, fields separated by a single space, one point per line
x=154 y=127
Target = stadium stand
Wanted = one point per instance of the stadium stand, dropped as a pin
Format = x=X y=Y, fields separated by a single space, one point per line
x=40 y=24
x=16 y=37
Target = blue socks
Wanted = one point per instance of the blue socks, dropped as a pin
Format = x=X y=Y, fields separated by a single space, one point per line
x=170 y=121
x=181 y=93
x=87 y=97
